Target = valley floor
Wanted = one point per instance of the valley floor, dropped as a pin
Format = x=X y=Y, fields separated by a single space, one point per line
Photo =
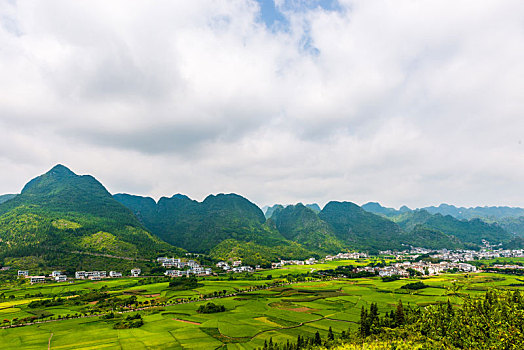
x=251 y=317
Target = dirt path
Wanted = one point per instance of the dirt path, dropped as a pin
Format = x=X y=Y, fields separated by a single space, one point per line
x=49 y=342
x=186 y=321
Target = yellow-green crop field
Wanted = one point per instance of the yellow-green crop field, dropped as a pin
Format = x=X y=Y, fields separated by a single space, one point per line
x=250 y=318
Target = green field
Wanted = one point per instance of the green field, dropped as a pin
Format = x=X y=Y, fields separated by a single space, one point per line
x=250 y=318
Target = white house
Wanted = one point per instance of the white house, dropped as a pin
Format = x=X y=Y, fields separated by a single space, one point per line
x=192 y=264
x=136 y=272
x=56 y=273
x=60 y=278
x=92 y=275
x=115 y=274
x=80 y=275
x=96 y=274
x=23 y=273
x=37 y=279
x=467 y=267
x=223 y=265
x=174 y=273
x=243 y=269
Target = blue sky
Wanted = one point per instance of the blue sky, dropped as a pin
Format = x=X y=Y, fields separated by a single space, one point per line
x=273 y=16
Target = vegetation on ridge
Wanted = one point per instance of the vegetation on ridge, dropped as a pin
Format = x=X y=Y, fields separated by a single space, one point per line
x=60 y=213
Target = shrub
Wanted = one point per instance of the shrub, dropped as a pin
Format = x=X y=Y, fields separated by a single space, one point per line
x=210 y=308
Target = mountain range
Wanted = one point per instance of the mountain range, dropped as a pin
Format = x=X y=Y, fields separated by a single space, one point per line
x=489 y=213
x=63 y=218
x=60 y=215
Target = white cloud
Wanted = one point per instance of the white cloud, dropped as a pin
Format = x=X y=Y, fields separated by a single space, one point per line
x=402 y=102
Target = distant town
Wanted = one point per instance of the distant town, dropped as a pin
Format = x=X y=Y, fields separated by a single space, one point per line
x=406 y=263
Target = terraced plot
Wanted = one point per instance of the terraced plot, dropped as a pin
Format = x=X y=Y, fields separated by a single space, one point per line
x=250 y=318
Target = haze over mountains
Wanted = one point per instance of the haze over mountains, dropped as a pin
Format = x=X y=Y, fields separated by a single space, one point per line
x=446 y=209
x=60 y=214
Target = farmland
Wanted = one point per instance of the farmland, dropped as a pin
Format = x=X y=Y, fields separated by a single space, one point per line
x=257 y=309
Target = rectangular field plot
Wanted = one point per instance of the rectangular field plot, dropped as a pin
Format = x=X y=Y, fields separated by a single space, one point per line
x=250 y=318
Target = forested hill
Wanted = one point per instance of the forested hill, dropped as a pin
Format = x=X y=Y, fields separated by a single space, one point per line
x=492 y=213
x=360 y=229
x=302 y=225
x=6 y=197
x=220 y=224
x=464 y=232
x=60 y=212
x=376 y=208
x=468 y=231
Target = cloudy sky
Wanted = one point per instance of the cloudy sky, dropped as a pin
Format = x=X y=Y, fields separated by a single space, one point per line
x=402 y=102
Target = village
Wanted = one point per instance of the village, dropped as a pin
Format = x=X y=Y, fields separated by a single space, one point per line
x=407 y=268
x=456 y=255
x=449 y=260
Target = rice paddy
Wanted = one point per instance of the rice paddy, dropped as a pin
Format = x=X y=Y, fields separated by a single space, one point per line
x=281 y=312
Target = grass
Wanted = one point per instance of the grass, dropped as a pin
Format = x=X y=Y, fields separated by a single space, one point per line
x=281 y=313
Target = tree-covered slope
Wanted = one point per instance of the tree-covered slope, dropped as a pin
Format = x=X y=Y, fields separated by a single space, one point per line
x=376 y=208
x=421 y=236
x=252 y=253
x=486 y=212
x=6 y=197
x=360 y=229
x=514 y=226
x=314 y=206
x=200 y=226
x=270 y=210
x=64 y=212
x=466 y=231
x=301 y=224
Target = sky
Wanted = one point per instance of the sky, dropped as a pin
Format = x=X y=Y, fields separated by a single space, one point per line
x=285 y=101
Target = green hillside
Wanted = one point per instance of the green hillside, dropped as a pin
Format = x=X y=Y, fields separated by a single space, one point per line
x=301 y=224
x=6 y=197
x=59 y=213
x=360 y=229
x=252 y=253
x=376 y=208
x=493 y=212
x=467 y=231
x=488 y=214
x=314 y=206
x=270 y=210
x=513 y=225
x=421 y=236
x=201 y=226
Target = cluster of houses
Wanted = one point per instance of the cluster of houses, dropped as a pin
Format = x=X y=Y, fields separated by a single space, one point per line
x=309 y=261
x=346 y=256
x=507 y=267
x=235 y=267
x=454 y=260
x=56 y=275
x=177 y=262
x=469 y=255
x=190 y=267
x=422 y=267
x=98 y=275
x=457 y=255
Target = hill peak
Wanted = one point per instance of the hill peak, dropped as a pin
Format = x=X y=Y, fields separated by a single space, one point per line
x=59 y=168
